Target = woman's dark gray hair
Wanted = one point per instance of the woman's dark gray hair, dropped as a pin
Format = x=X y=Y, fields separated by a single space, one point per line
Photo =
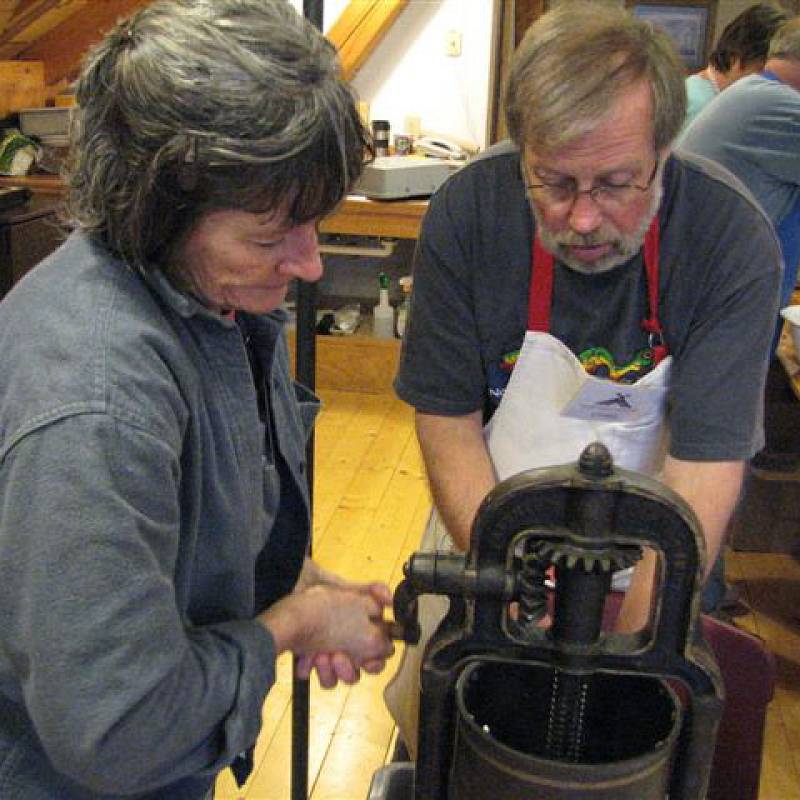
x=192 y=106
x=575 y=61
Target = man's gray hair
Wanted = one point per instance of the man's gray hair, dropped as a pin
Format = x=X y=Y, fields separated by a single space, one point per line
x=194 y=105
x=786 y=41
x=575 y=61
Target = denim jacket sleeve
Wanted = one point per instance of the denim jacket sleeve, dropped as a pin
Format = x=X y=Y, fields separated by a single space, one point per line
x=124 y=692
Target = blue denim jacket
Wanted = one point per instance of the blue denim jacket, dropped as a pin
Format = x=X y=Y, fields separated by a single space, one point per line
x=146 y=514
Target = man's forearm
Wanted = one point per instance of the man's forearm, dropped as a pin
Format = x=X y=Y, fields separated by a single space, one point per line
x=459 y=469
x=711 y=489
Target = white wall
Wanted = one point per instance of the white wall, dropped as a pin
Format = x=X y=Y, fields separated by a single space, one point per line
x=409 y=73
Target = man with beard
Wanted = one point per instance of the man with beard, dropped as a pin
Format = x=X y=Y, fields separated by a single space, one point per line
x=581 y=259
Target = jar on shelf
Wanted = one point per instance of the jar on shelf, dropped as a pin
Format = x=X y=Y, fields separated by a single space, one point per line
x=380 y=136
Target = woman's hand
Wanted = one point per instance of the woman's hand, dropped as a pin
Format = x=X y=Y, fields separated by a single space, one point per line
x=313 y=574
x=334 y=667
x=333 y=626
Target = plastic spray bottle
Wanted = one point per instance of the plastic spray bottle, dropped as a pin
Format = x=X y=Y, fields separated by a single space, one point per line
x=383 y=313
x=406 y=282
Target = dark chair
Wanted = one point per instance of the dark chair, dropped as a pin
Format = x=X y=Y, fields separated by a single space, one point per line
x=748 y=672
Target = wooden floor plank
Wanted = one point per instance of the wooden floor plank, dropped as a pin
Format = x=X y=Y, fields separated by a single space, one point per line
x=360 y=743
x=334 y=476
x=276 y=707
x=772 y=590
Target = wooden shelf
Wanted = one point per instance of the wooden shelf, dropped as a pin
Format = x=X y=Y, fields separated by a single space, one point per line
x=362 y=216
x=358 y=362
x=40 y=184
x=356 y=215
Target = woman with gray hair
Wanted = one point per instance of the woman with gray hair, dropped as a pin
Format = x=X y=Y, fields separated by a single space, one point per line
x=154 y=515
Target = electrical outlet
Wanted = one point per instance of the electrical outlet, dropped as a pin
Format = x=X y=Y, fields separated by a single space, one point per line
x=453 y=43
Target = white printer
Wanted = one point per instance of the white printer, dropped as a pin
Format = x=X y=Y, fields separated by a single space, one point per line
x=398 y=177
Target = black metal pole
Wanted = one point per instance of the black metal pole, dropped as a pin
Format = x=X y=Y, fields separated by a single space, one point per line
x=305 y=361
x=305 y=369
x=312 y=11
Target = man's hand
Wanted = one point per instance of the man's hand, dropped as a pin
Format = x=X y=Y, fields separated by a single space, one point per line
x=313 y=574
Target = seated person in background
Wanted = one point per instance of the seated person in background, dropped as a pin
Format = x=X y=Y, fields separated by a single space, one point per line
x=154 y=514
x=583 y=260
x=753 y=129
x=741 y=50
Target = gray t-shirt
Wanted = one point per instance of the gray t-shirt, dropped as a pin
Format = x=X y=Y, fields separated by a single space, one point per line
x=719 y=275
x=753 y=129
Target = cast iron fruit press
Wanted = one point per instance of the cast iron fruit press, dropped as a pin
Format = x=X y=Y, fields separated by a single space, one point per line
x=511 y=708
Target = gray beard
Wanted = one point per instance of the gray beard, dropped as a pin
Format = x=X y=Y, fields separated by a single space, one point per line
x=624 y=247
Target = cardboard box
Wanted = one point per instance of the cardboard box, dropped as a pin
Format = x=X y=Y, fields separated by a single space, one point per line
x=45 y=123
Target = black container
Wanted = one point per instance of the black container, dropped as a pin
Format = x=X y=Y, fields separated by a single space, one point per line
x=380 y=136
x=631 y=727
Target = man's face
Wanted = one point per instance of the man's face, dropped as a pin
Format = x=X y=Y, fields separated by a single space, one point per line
x=617 y=160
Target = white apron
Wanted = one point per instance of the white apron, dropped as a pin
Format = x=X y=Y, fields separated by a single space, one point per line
x=550 y=410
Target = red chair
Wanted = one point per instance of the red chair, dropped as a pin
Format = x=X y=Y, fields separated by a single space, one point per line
x=748 y=672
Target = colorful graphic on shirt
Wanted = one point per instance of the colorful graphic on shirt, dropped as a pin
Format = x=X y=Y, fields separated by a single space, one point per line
x=498 y=376
x=509 y=361
x=597 y=361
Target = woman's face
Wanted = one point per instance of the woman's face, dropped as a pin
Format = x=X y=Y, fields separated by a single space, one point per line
x=242 y=261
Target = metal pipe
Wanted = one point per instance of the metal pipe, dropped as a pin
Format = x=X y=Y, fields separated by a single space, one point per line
x=305 y=369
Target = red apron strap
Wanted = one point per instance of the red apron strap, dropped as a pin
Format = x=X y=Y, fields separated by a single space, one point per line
x=652 y=324
x=540 y=296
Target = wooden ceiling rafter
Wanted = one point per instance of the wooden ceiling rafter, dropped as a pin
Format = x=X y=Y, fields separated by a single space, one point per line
x=62 y=48
x=25 y=18
x=359 y=28
x=56 y=33
x=7 y=10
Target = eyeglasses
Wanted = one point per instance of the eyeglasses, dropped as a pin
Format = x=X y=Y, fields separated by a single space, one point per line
x=608 y=196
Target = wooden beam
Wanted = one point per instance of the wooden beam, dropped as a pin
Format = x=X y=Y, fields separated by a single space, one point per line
x=31 y=19
x=351 y=17
x=62 y=49
x=7 y=10
x=54 y=32
x=360 y=27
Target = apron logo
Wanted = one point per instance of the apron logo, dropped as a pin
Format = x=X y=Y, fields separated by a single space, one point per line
x=619 y=399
